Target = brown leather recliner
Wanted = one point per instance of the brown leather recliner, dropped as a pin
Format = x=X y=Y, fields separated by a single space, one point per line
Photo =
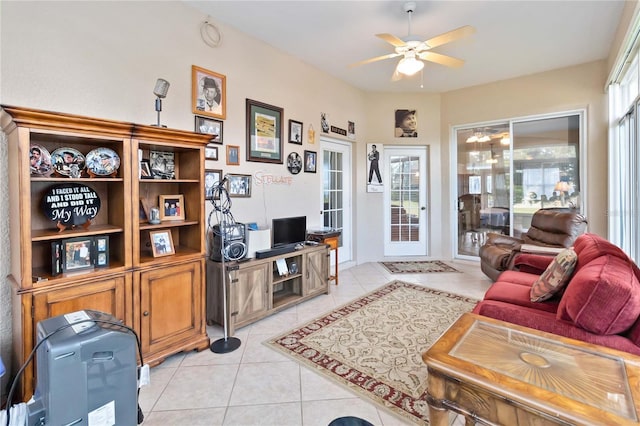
x=549 y=228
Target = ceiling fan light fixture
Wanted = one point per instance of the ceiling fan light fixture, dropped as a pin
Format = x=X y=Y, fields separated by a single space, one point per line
x=410 y=65
x=484 y=138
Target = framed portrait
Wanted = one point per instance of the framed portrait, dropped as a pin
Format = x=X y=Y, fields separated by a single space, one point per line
x=264 y=132
x=374 y=159
x=145 y=170
x=351 y=130
x=171 y=207
x=295 y=132
x=233 y=155
x=239 y=185
x=78 y=254
x=209 y=93
x=310 y=161
x=406 y=123
x=211 y=152
x=212 y=178
x=210 y=126
x=161 y=243
x=162 y=164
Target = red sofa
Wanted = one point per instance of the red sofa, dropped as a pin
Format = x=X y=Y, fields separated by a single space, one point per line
x=599 y=305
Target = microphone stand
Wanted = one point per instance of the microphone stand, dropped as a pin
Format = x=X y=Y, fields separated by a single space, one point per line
x=227 y=343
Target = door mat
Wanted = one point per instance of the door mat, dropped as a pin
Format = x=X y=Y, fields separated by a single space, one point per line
x=417 y=267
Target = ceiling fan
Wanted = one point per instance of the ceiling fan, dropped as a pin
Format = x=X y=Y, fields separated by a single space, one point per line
x=412 y=49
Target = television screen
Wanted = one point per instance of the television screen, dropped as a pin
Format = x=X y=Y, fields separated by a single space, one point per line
x=289 y=230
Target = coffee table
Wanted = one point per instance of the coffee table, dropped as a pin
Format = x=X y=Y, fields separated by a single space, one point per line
x=494 y=372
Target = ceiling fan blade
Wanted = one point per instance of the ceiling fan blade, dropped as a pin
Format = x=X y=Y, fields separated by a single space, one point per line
x=392 y=40
x=377 y=58
x=438 y=58
x=450 y=36
x=396 y=74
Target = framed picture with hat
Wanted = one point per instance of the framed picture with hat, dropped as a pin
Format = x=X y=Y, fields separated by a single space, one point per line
x=406 y=123
x=209 y=93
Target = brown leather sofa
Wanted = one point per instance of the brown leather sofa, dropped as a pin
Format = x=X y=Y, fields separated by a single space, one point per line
x=549 y=228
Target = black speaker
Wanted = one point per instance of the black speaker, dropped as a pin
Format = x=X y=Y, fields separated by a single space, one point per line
x=235 y=247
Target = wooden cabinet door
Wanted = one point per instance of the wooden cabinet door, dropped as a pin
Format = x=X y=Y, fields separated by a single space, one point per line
x=105 y=295
x=171 y=307
x=249 y=293
x=316 y=273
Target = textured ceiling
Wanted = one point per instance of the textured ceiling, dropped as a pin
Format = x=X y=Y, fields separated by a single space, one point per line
x=512 y=39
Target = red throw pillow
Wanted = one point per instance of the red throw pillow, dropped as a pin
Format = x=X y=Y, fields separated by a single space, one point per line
x=555 y=277
x=603 y=297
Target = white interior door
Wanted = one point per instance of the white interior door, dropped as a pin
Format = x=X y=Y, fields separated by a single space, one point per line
x=336 y=193
x=405 y=201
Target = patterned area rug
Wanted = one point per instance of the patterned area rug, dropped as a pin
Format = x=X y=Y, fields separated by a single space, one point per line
x=374 y=344
x=418 y=267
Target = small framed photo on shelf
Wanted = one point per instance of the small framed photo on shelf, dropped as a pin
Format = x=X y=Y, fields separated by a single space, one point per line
x=209 y=93
x=145 y=170
x=161 y=243
x=295 y=132
x=102 y=251
x=77 y=254
x=211 y=127
x=172 y=207
x=162 y=164
x=233 y=155
x=239 y=185
x=211 y=152
x=310 y=161
x=211 y=179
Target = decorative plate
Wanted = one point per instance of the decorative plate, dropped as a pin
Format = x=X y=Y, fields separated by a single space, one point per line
x=68 y=162
x=294 y=163
x=103 y=162
x=40 y=161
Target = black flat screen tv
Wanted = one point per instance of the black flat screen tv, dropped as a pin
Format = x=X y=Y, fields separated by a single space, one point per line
x=289 y=230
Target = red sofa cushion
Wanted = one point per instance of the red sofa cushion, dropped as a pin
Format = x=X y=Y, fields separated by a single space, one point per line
x=517 y=294
x=603 y=297
x=515 y=277
x=591 y=246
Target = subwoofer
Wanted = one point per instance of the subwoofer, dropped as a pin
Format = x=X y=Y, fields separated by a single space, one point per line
x=235 y=247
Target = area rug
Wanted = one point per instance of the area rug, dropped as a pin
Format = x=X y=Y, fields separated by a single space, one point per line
x=418 y=267
x=374 y=344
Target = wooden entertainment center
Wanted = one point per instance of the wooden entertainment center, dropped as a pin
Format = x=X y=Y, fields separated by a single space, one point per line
x=160 y=297
x=255 y=288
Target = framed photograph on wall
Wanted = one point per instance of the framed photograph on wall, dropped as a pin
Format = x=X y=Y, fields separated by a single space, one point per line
x=212 y=178
x=239 y=185
x=171 y=207
x=264 y=132
x=211 y=152
x=233 y=155
x=210 y=126
x=295 y=132
x=161 y=243
x=208 y=93
x=310 y=161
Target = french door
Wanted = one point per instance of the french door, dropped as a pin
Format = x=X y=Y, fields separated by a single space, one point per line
x=405 y=201
x=336 y=193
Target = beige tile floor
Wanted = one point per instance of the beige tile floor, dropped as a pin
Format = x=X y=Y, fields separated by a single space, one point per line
x=254 y=385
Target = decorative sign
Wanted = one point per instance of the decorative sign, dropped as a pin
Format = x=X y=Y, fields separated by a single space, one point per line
x=338 y=130
x=71 y=205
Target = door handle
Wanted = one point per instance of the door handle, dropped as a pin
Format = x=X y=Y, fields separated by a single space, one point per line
x=423 y=208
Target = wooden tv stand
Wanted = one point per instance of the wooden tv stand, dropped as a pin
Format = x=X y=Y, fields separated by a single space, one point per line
x=255 y=288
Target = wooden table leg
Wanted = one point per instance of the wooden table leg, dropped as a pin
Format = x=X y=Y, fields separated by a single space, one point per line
x=438 y=414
